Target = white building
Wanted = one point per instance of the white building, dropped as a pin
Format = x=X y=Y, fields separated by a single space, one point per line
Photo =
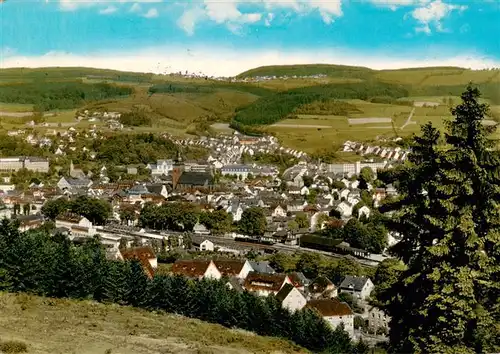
x=358 y=287
x=241 y=171
x=291 y=298
x=197 y=269
x=162 y=167
x=334 y=313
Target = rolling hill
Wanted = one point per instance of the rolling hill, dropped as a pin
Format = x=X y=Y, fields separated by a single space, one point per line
x=297 y=103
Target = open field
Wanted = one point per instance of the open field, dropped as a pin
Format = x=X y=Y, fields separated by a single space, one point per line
x=55 y=326
x=371 y=120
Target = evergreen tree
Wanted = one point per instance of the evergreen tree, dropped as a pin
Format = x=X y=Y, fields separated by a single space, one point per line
x=115 y=282
x=137 y=283
x=446 y=300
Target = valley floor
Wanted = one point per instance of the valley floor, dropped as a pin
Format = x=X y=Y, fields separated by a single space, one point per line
x=84 y=327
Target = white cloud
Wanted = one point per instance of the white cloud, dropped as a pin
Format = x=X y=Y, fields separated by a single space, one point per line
x=108 y=10
x=71 y=5
x=189 y=19
x=269 y=19
x=397 y=3
x=135 y=8
x=432 y=14
x=229 y=12
x=223 y=62
x=152 y=13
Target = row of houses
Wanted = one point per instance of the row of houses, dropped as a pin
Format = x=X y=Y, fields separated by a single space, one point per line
x=293 y=290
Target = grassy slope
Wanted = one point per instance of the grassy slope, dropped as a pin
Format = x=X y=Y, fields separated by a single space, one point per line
x=67 y=326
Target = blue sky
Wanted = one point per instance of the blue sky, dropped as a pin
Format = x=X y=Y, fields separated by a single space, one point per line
x=224 y=37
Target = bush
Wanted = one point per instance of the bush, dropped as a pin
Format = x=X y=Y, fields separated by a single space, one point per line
x=13 y=346
x=359 y=322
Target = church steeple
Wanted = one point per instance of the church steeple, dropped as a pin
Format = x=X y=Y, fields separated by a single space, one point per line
x=178 y=160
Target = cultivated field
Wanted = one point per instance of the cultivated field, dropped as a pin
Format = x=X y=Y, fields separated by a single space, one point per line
x=51 y=326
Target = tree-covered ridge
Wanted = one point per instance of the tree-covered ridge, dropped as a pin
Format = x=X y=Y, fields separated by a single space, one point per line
x=126 y=149
x=445 y=300
x=48 y=95
x=271 y=109
x=30 y=74
x=208 y=87
x=39 y=263
x=309 y=70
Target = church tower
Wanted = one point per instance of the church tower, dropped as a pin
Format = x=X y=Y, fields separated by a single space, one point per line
x=177 y=170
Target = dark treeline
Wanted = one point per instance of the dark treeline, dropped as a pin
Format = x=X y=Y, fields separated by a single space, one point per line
x=139 y=148
x=209 y=87
x=45 y=265
x=47 y=96
x=271 y=109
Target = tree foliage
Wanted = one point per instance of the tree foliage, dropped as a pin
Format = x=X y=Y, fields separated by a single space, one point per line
x=446 y=300
x=94 y=209
x=175 y=216
x=253 y=222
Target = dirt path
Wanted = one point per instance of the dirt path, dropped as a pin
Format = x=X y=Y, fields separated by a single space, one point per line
x=21 y=114
x=300 y=126
x=409 y=121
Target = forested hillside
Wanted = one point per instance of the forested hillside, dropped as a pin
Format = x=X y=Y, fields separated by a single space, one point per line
x=271 y=109
x=49 y=95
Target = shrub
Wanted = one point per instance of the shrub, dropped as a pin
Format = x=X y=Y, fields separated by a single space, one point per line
x=13 y=346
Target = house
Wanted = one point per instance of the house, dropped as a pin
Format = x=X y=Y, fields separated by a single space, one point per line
x=304 y=191
x=69 y=220
x=158 y=188
x=265 y=284
x=234 y=268
x=262 y=267
x=334 y=313
x=240 y=171
x=202 y=244
x=235 y=210
x=145 y=255
x=345 y=209
x=162 y=167
x=378 y=320
x=322 y=287
x=299 y=280
x=70 y=183
x=364 y=210
x=200 y=229
x=278 y=212
x=28 y=222
x=291 y=298
x=358 y=287
x=197 y=269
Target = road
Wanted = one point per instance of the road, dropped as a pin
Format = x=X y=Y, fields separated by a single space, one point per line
x=409 y=121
